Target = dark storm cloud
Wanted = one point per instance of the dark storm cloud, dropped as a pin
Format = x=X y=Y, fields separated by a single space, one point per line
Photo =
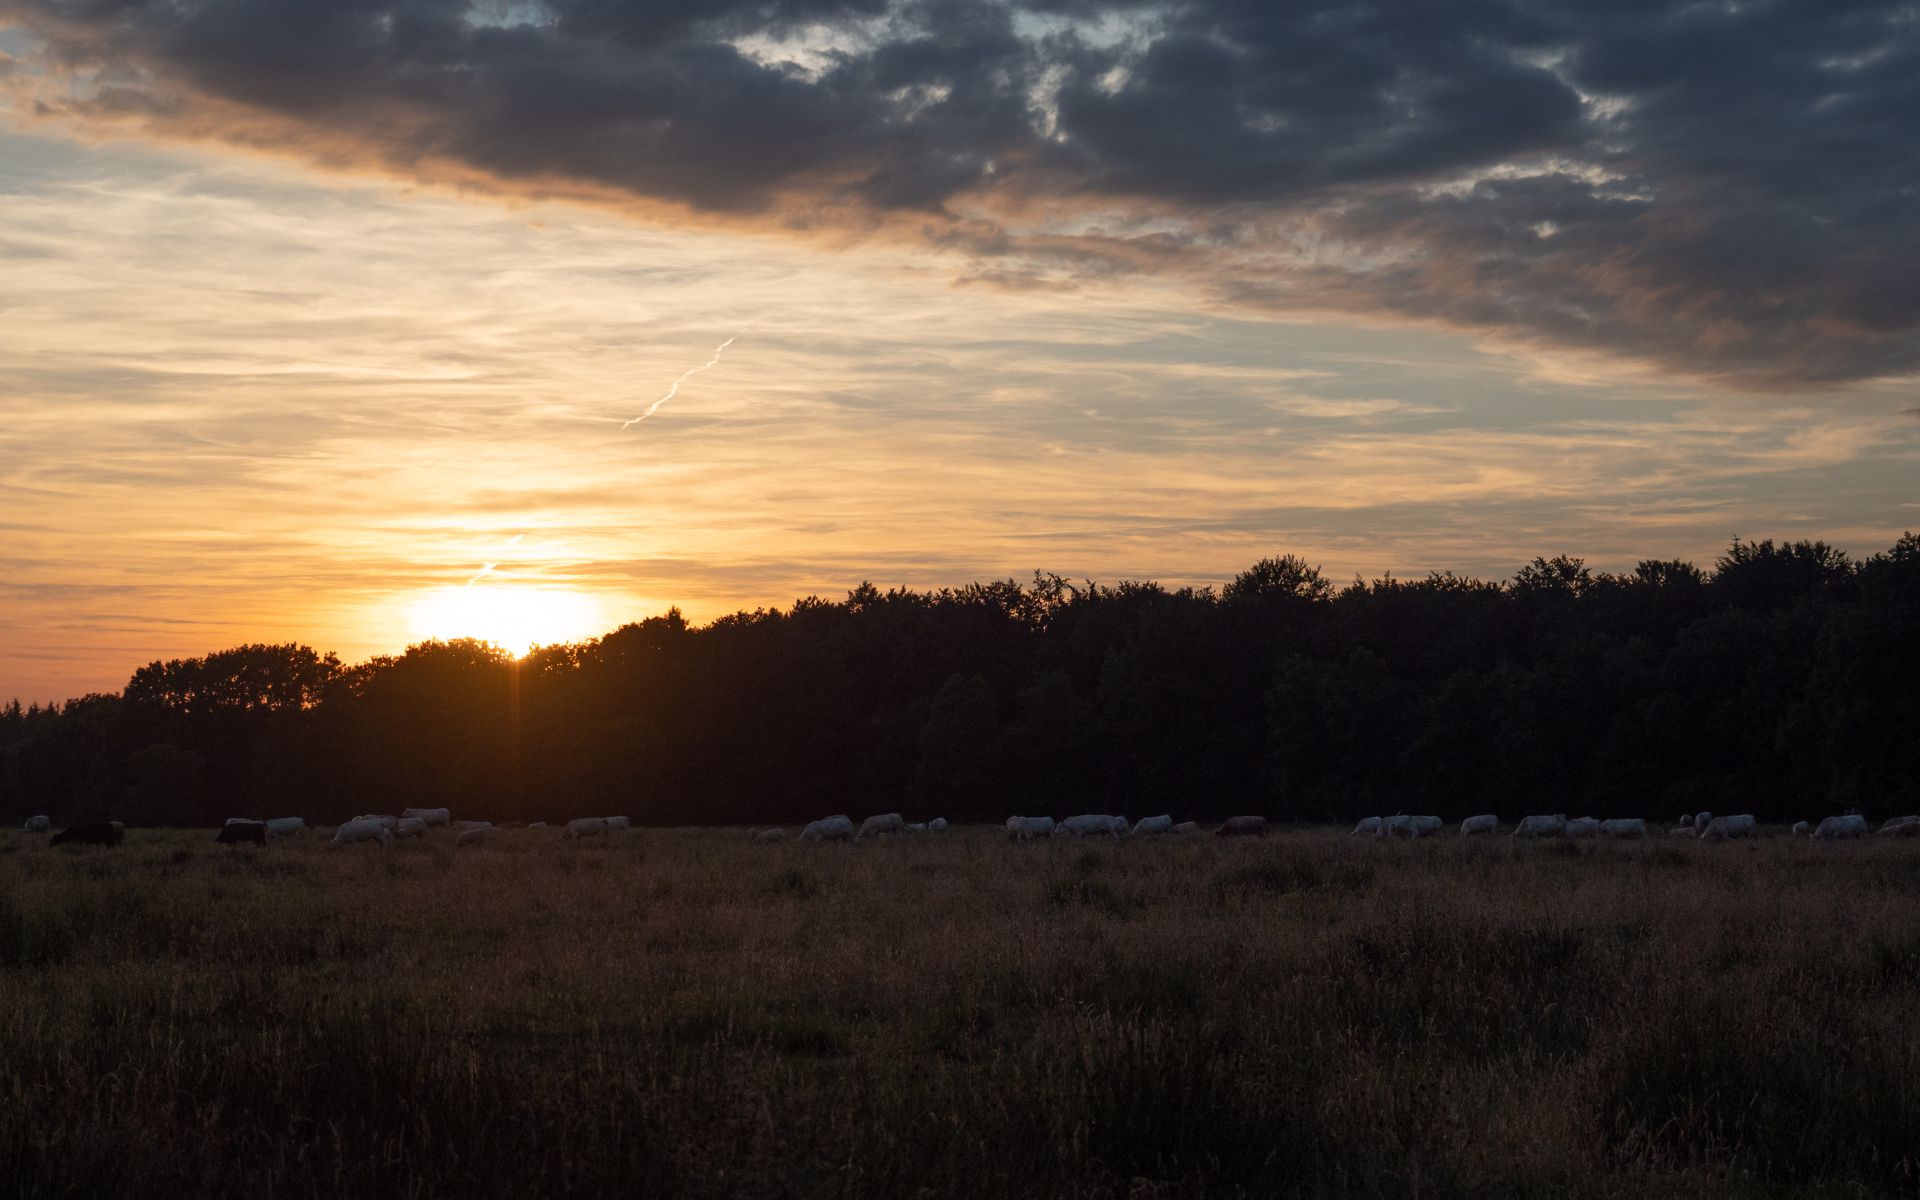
x=1729 y=189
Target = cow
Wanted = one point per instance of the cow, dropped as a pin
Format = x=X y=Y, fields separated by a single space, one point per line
x=1485 y=823
x=1853 y=825
x=1151 y=825
x=584 y=827
x=1719 y=829
x=1411 y=827
x=1701 y=821
x=936 y=825
x=432 y=816
x=1541 y=826
x=1091 y=825
x=1624 y=827
x=881 y=823
x=537 y=825
x=1686 y=821
x=618 y=823
x=39 y=824
x=1583 y=827
x=766 y=836
x=91 y=833
x=1025 y=829
x=828 y=829
x=1685 y=831
x=1900 y=827
x=242 y=821
x=387 y=823
x=286 y=826
x=1799 y=827
x=1186 y=827
x=413 y=827
x=471 y=837
x=1368 y=827
x=234 y=833
x=1243 y=827
x=363 y=829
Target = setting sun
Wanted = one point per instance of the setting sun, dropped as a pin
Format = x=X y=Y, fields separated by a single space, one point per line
x=514 y=618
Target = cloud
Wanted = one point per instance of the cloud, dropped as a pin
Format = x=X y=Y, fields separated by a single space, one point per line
x=1724 y=190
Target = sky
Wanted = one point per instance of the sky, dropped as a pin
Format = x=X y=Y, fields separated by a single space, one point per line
x=329 y=322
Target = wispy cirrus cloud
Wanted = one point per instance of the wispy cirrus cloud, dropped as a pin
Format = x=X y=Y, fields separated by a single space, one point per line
x=1723 y=190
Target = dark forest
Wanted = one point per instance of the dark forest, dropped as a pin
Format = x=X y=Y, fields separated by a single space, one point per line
x=1781 y=683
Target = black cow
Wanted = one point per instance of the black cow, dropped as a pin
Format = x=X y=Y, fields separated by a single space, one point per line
x=242 y=832
x=93 y=833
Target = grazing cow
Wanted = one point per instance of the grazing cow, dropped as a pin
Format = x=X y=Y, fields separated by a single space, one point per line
x=471 y=837
x=242 y=821
x=1686 y=821
x=1540 y=826
x=538 y=825
x=618 y=823
x=828 y=829
x=464 y=826
x=1091 y=825
x=1799 y=827
x=363 y=829
x=936 y=825
x=917 y=827
x=1900 y=827
x=1367 y=826
x=286 y=826
x=1410 y=826
x=1146 y=825
x=1721 y=828
x=432 y=816
x=879 y=824
x=413 y=827
x=1853 y=825
x=1485 y=823
x=92 y=833
x=233 y=833
x=387 y=823
x=1624 y=827
x=584 y=827
x=39 y=824
x=1243 y=827
x=1186 y=827
x=1701 y=820
x=1685 y=831
x=1583 y=827
x=769 y=835
x=1025 y=829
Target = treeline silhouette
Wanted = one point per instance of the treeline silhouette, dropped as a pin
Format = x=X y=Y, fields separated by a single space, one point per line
x=1781 y=683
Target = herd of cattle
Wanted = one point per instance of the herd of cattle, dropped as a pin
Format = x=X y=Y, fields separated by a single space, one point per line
x=416 y=822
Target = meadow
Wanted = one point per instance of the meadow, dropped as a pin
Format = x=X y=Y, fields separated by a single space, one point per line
x=682 y=1013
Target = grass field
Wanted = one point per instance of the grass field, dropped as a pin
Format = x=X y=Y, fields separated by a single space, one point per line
x=683 y=1013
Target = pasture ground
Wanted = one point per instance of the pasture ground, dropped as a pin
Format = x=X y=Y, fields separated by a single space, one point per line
x=682 y=1013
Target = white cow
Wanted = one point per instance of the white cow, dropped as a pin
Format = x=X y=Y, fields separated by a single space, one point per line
x=1485 y=823
x=828 y=829
x=432 y=816
x=1721 y=828
x=286 y=826
x=618 y=823
x=39 y=824
x=1186 y=827
x=471 y=837
x=917 y=827
x=1853 y=825
x=1091 y=825
x=1538 y=826
x=244 y=821
x=1367 y=826
x=1242 y=827
x=1624 y=827
x=538 y=825
x=1410 y=827
x=936 y=825
x=1025 y=829
x=1799 y=827
x=1685 y=831
x=1900 y=827
x=1151 y=825
x=766 y=836
x=1701 y=820
x=1686 y=821
x=584 y=827
x=413 y=827
x=362 y=829
x=1583 y=827
x=881 y=823
x=387 y=823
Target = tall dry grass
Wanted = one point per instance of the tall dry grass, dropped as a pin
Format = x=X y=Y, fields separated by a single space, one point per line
x=683 y=1013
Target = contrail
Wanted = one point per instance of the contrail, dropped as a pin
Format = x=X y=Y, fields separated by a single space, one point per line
x=673 y=389
x=487 y=569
